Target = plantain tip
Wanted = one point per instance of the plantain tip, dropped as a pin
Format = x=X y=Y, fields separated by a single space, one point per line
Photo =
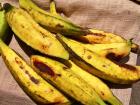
x=7 y=7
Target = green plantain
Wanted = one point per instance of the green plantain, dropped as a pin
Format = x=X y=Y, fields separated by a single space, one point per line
x=100 y=66
x=34 y=86
x=4 y=27
x=52 y=21
x=67 y=81
x=32 y=34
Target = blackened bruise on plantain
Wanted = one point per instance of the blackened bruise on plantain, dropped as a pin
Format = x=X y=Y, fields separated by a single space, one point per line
x=114 y=56
x=44 y=68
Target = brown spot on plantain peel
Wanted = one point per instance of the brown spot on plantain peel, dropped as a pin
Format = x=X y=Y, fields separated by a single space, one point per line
x=43 y=68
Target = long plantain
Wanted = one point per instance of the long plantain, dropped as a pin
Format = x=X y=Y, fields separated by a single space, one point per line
x=101 y=37
x=100 y=66
x=32 y=34
x=38 y=89
x=51 y=21
x=63 y=78
x=100 y=87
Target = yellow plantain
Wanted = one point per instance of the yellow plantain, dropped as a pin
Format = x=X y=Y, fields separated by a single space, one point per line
x=52 y=21
x=100 y=66
x=34 y=86
x=100 y=87
x=101 y=37
x=67 y=81
x=114 y=51
x=32 y=34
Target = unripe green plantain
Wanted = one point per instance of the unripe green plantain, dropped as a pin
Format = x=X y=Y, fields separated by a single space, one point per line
x=66 y=80
x=100 y=87
x=52 y=22
x=100 y=66
x=4 y=27
x=34 y=86
x=32 y=34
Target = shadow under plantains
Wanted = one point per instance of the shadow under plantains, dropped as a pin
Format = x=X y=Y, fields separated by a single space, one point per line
x=136 y=1
x=7 y=39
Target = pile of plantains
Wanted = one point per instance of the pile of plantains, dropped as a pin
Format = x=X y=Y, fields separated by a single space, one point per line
x=71 y=57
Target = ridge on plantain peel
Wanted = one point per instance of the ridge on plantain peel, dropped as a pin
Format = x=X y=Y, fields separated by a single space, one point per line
x=100 y=66
x=52 y=21
x=67 y=81
x=26 y=29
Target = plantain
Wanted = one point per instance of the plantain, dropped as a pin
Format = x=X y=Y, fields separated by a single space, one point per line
x=58 y=24
x=100 y=87
x=100 y=66
x=32 y=34
x=4 y=27
x=37 y=88
x=101 y=37
x=115 y=51
x=63 y=78
x=52 y=21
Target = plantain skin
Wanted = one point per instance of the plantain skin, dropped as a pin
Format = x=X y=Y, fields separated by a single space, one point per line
x=100 y=66
x=63 y=78
x=33 y=35
x=101 y=37
x=114 y=51
x=99 y=86
x=34 y=86
x=52 y=22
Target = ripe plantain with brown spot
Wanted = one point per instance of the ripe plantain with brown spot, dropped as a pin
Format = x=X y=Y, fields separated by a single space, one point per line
x=32 y=34
x=67 y=81
x=34 y=86
x=100 y=66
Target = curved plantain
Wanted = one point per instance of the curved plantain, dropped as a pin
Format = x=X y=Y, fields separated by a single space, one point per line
x=52 y=22
x=100 y=66
x=32 y=34
x=63 y=78
x=100 y=87
x=34 y=86
x=101 y=37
